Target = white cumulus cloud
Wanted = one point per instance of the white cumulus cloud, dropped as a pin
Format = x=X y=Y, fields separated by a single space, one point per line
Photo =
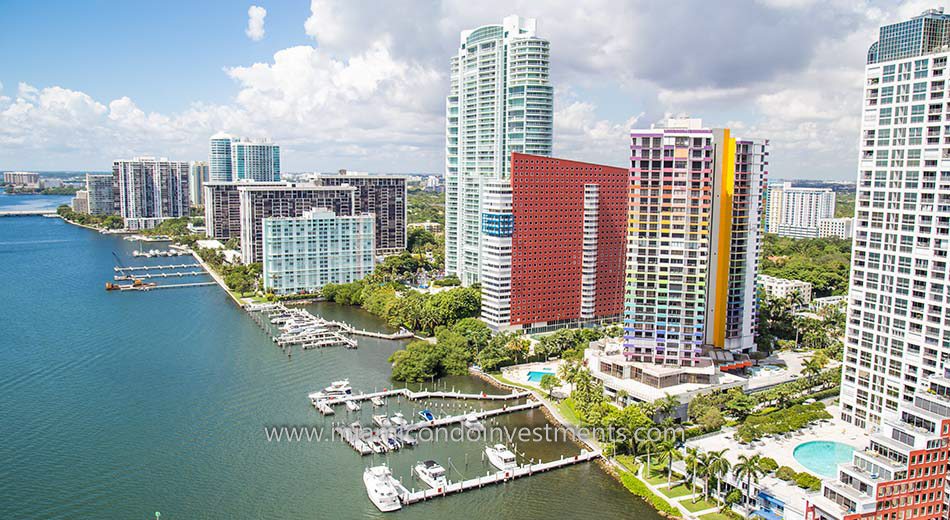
x=255 y=22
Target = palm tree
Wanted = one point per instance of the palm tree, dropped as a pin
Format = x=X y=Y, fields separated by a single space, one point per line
x=568 y=372
x=749 y=468
x=667 y=405
x=812 y=367
x=692 y=467
x=668 y=454
x=622 y=396
x=718 y=466
x=702 y=469
x=648 y=445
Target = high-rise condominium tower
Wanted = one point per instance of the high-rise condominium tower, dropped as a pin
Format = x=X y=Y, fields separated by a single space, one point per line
x=198 y=176
x=501 y=101
x=149 y=190
x=693 y=245
x=898 y=319
x=242 y=159
x=797 y=212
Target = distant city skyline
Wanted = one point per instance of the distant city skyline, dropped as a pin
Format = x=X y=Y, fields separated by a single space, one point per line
x=309 y=77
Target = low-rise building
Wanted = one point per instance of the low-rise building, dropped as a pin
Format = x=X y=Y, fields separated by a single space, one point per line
x=302 y=254
x=836 y=227
x=431 y=227
x=259 y=201
x=783 y=288
x=643 y=381
x=25 y=179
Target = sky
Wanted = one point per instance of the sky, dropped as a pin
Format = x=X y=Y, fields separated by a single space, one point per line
x=361 y=84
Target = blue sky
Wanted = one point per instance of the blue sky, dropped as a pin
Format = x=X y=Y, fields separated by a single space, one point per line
x=361 y=84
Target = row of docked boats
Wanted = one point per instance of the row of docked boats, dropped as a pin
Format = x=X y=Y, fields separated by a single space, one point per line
x=299 y=327
x=386 y=492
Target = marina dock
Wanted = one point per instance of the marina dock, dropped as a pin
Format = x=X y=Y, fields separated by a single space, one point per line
x=427 y=394
x=146 y=276
x=120 y=269
x=297 y=327
x=411 y=497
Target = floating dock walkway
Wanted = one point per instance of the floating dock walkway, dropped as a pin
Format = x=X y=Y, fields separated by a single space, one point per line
x=427 y=394
x=165 y=286
x=120 y=269
x=146 y=276
x=411 y=497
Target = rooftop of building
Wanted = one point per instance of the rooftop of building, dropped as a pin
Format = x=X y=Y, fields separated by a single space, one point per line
x=764 y=278
x=782 y=448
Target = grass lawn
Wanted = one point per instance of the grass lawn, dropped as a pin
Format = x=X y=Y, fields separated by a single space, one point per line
x=700 y=505
x=676 y=491
x=715 y=516
x=566 y=409
x=655 y=475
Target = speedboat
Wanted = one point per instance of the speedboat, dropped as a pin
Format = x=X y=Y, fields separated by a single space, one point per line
x=352 y=406
x=380 y=488
x=431 y=473
x=382 y=421
x=398 y=420
x=501 y=457
x=336 y=390
x=472 y=423
x=427 y=415
x=377 y=401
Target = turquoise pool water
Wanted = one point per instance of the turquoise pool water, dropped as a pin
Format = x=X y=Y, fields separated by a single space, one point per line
x=535 y=375
x=822 y=457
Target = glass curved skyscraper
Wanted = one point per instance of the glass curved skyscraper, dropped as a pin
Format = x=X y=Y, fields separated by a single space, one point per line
x=501 y=101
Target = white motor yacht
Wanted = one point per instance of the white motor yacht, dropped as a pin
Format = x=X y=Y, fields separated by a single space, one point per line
x=501 y=457
x=472 y=423
x=398 y=420
x=431 y=473
x=380 y=488
x=382 y=421
x=336 y=390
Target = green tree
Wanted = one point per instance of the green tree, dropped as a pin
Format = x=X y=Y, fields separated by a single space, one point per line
x=474 y=331
x=567 y=371
x=748 y=468
x=668 y=454
x=717 y=466
x=549 y=382
x=740 y=405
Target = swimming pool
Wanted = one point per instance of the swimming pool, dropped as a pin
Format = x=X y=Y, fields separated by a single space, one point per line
x=765 y=370
x=822 y=457
x=535 y=376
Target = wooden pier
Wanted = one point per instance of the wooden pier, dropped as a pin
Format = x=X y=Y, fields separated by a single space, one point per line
x=165 y=286
x=147 y=276
x=120 y=269
x=426 y=394
x=445 y=421
x=411 y=497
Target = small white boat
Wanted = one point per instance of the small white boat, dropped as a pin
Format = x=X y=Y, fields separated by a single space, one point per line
x=431 y=473
x=377 y=401
x=380 y=488
x=472 y=423
x=398 y=420
x=352 y=406
x=382 y=421
x=501 y=457
x=336 y=390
